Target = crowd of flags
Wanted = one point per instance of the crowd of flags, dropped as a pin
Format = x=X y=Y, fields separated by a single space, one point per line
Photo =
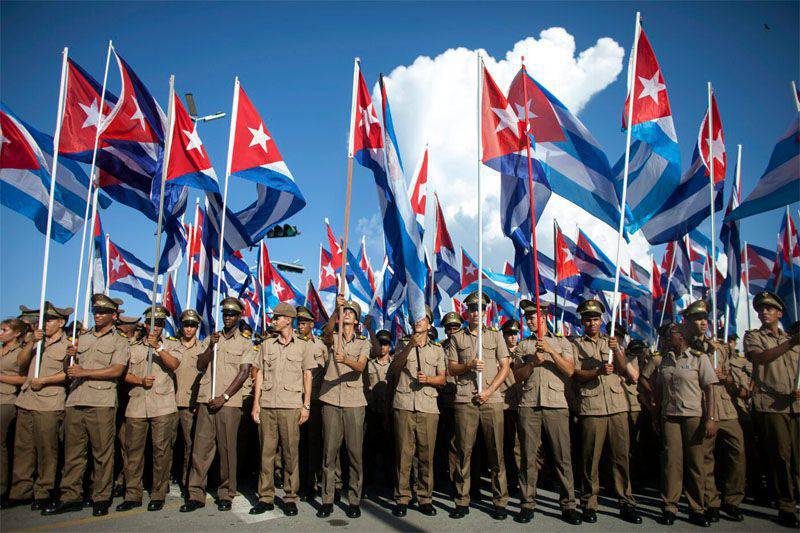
x=135 y=151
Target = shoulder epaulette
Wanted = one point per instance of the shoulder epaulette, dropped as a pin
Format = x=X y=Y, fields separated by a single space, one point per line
x=304 y=337
x=121 y=334
x=256 y=348
x=494 y=329
x=437 y=343
x=69 y=338
x=362 y=337
x=246 y=334
x=172 y=338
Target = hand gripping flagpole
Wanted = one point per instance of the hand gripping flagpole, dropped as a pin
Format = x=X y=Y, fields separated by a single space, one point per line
x=53 y=172
x=622 y=207
x=164 y=168
x=221 y=244
x=713 y=262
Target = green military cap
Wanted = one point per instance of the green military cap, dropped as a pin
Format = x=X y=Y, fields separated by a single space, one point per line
x=51 y=311
x=28 y=315
x=510 y=327
x=591 y=308
x=304 y=313
x=232 y=304
x=472 y=299
x=190 y=317
x=451 y=319
x=664 y=329
x=127 y=320
x=101 y=301
x=161 y=312
x=528 y=307
x=354 y=307
x=619 y=329
x=765 y=298
x=284 y=309
x=637 y=346
x=384 y=336
x=700 y=307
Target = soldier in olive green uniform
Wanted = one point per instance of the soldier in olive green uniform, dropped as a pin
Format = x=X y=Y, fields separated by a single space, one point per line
x=344 y=403
x=684 y=398
x=12 y=336
x=416 y=371
x=151 y=408
x=446 y=460
x=603 y=412
x=475 y=409
x=100 y=358
x=281 y=404
x=776 y=399
x=187 y=383
x=40 y=413
x=220 y=411
x=380 y=462
x=729 y=437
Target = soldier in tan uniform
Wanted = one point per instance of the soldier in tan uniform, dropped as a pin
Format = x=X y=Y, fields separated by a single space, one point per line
x=446 y=458
x=729 y=438
x=684 y=399
x=416 y=371
x=97 y=362
x=130 y=327
x=635 y=352
x=344 y=403
x=603 y=412
x=543 y=368
x=512 y=447
x=379 y=440
x=12 y=333
x=187 y=384
x=776 y=400
x=474 y=409
x=282 y=403
x=40 y=413
x=219 y=412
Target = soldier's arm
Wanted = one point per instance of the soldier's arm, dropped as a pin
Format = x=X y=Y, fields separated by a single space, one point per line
x=12 y=379
x=582 y=376
x=453 y=366
x=238 y=381
x=521 y=367
x=55 y=379
x=26 y=354
x=307 y=382
x=328 y=328
x=204 y=359
x=258 y=379
x=358 y=364
x=564 y=360
x=107 y=373
x=170 y=360
x=502 y=374
x=767 y=356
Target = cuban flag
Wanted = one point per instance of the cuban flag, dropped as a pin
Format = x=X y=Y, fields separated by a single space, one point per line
x=570 y=289
x=328 y=280
x=501 y=289
x=358 y=283
x=169 y=299
x=447 y=275
x=365 y=266
x=335 y=245
x=393 y=293
x=689 y=204
x=251 y=308
x=779 y=185
x=732 y=247
x=282 y=290
x=757 y=266
x=597 y=270
x=418 y=190
x=654 y=168
x=82 y=115
x=128 y=274
x=641 y=309
x=188 y=162
x=566 y=277
x=785 y=279
x=101 y=265
x=236 y=278
x=315 y=305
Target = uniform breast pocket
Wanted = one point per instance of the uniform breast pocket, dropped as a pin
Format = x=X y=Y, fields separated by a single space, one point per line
x=51 y=390
x=164 y=386
x=100 y=385
x=555 y=390
x=430 y=391
x=294 y=362
x=103 y=353
x=590 y=389
x=52 y=366
x=615 y=385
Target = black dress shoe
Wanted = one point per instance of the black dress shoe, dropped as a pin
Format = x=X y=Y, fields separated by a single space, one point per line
x=39 y=504
x=788 y=519
x=400 y=510
x=87 y=502
x=279 y=482
x=155 y=505
x=667 y=518
x=590 y=516
x=699 y=519
x=427 y=509
x=524 y=516
x=733 y=512
x=118 y=491
x=499 y=513
x=59 y=507
x=353 y=511
x=571 y=516
x=712 y=513
x=191 y=505
x=290 y=509
x=459 y=512
x=127 y=506
x=223 y=505
x=630 y=514
x=101 y=509
x=325 y=510
x=262 y=507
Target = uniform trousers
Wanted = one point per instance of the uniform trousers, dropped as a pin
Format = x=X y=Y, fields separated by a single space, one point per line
x=468 y=417
x=595 y=431
x=780 y=432
x=342 y=423
x=416 y=435
x=730 y=442
x=38 y=434
x=8 y=412
x=162 y=430
x=83 y=427
x=279 y=425
x=186 y=420
x=683 y=459
x=215 y=431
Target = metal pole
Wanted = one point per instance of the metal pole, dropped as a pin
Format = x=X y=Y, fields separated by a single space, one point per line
x=108 y=267
x=555 y=272
x=479 y=355
x=713 y=261
x=747 y=285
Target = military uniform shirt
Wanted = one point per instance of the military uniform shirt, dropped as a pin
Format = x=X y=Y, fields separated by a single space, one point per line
x=775 y=380
x=8 y=365
x=603 y=395
x=410 y=395
x=187 y=377
x=726 y=410
x=742 y=374
x=682 y=378
x=50 y=397
x=232 y=351
x=376 y=383
x=463 y=347
x=318 y=351
x=342 y=386
x=546 y=386
x=110 y=348
x=159 y=399
x=632 y=389
x=282 y=368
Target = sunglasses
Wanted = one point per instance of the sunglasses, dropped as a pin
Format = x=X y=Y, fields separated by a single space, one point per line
x=230 y=313
x=384 y=343
x=102 y=311
x=189 y=324
x=159 y=322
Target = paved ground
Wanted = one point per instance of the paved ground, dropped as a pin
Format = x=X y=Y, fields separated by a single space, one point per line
x=376 y=516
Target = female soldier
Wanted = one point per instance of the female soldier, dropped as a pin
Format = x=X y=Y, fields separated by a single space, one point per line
x=12 y=333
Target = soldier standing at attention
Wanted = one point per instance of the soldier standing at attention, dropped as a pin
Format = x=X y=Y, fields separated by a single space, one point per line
x=512 y=448
x=378 y=437
x=218 y=418
x=281 y=404
x=603 y=412
x=776 y=399
x=484 y=409
x=344 y=404
x=128 y=327
x=96 y=364
x=12 y=335
x=151 y=408
x=446 y=445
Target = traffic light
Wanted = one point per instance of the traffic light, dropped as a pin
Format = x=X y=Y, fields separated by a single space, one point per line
x=287 y=230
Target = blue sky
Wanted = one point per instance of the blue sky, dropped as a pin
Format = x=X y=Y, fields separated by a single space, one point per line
x=295 y=62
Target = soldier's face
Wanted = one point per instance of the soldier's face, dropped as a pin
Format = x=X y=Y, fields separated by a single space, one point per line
x=53 y=325
x=157 y=328
x=531 y=321
x=304 y=326
x=475 y=316
x=698 y=325
x=229 y=319
x=349 y=316
x=422 y=326
x=511 y=340
x=676 y=338
x=386 y=348
x=104 y=317
x=769 y=315
x=591 y=324
x=189 y=331
x=282 y=323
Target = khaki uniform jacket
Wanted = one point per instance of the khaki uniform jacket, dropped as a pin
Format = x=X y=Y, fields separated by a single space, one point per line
x=632 y=389
x=742 y=373
x=187 y=377
x=342 y=386
x=8 y=365
x=775 y=380
x=232 y=351
x=110 y=348
x=50 y=397
x=682 y=378
x=604 y=395
x=319 y=351
x=282 y=368
x=410 y=395
x=512 y=391
x=376 y=383
x=726 y=410
x=546 y=386
x=158 y=400
x=463 y=347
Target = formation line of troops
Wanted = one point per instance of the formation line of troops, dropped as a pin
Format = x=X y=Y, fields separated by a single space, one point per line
x=341 y=412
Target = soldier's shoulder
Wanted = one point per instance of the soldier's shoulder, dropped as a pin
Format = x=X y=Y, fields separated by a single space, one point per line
x=247 y=335
x=172 y=339
x=362 y=337
x=122 y=334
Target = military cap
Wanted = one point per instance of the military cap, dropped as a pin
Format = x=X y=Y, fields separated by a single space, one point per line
x=619 y=329
x=51 y=311
x=161 y=312
x=128 y=320
x=190 y=316
x=304 y=313
x=28 y=315
x=354 y=307
x=472 y=299
x=510 y=327
x=101 y=301
x=384 y=336
x=232 y=304
x=451 y=319
x=284 y=309
x=637 y=346
x=664 y=329
x=765 y=298
x=700 y=307
x=591 y=308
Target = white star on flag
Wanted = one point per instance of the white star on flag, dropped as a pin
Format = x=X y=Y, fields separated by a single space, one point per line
x=367 y=116
x=567 y=254
x=92 y=114
x=194 y=140
x=278 y=289
x=137 y=115
x=327 y=271
x=717 y=146
x=508 y=119
x=470 y=269
x=651 y=87
x=3 y=139
x=523 y=111
x=260 y=137
x=116 y=264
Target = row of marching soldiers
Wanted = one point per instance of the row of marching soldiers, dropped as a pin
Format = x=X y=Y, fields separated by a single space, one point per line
x=556 y=401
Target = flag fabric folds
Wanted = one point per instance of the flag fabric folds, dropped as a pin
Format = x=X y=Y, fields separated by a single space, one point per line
x=732 y=247
x=447 y=274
